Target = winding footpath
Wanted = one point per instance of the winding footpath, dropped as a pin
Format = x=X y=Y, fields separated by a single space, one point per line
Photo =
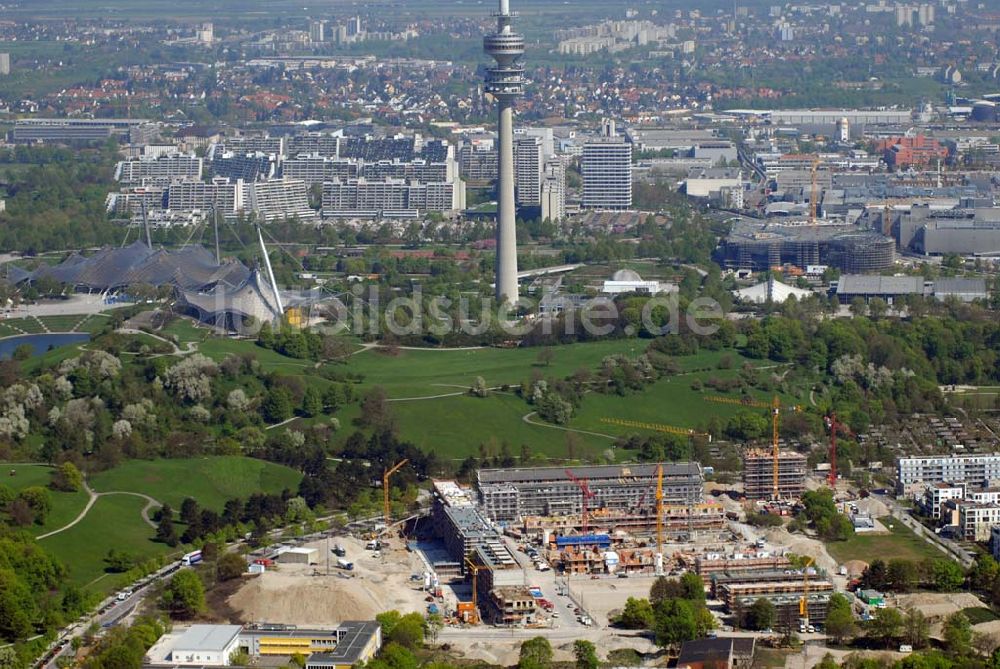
x=527 y=419
x=151 y=503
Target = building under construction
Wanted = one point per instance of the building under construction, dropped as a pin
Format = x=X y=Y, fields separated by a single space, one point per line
x=509 y=495
x=678 y=521
x=758 y=474
x=757 y=245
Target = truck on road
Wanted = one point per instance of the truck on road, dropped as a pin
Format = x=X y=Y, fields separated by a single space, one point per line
x=194 y=557
x=345 y=564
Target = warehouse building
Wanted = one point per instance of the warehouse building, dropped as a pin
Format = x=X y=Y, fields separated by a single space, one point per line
x=511 y=494
x=892 y=288
x=965 y=231
x=758 y=474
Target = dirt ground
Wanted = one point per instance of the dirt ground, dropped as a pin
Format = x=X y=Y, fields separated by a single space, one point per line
x=937 y=606
x=608 y=594
x=305 y=595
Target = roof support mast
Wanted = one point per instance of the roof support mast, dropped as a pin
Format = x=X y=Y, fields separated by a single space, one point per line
x=270 y=272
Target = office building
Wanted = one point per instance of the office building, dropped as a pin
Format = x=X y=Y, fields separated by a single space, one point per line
x=69 y=131
x=512 y=494
x=528 y=168
x=4 y=63
x=607 y=174
x=917 y=151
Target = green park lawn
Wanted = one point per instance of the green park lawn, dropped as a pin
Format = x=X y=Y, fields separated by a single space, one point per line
x=453 y=427
x=65 y=505
x=209 y=480
x=61 y=323
x=901 y=542
x=115 y=521
x=434 y=371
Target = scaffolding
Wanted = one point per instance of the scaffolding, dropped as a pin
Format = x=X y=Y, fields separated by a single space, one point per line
x=758 y=474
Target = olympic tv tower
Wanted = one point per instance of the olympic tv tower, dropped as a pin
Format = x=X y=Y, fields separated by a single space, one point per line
x=504 y=82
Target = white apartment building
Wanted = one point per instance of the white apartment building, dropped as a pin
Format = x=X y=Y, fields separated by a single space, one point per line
x=528 y=171
x=278 y=199
x=135 y=171
x=316 y=169
x=976 y=521
x=191 y=195
x=362 y=195
x=984 y=496
x=937 y=494
x=607 y=174
x=914 y=473
x=553 y=192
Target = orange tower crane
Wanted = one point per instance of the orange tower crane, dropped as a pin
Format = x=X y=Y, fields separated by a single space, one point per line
x=586 y=493
x=385 y=487
x=775 y=407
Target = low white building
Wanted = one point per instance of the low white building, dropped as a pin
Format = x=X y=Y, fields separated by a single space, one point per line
x=629 y=281
x=771 y=290
x=298 y=555
x=199 y=645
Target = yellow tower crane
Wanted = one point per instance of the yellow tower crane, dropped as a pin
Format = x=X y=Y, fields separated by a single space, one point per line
x=474 y=569
x=804 y=601
x=658 y=558
x=385 y=487
x=775 y=408
x=657 y=427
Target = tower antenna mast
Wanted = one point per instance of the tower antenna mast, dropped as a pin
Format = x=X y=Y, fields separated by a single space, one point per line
x=505 y=82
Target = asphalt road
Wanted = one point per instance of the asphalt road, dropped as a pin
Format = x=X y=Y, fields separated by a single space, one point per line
x=110 y=613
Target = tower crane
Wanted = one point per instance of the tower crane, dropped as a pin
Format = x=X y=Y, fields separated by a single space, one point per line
x=385 y=487
x=814 y=196
x=831 y=422
x=658 y=558
x=657 y=427
x=775 y=408
x=474 y=569
x=804 y=600
x=586 y=493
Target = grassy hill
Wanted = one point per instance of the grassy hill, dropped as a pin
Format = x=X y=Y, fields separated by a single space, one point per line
x=210 y=480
